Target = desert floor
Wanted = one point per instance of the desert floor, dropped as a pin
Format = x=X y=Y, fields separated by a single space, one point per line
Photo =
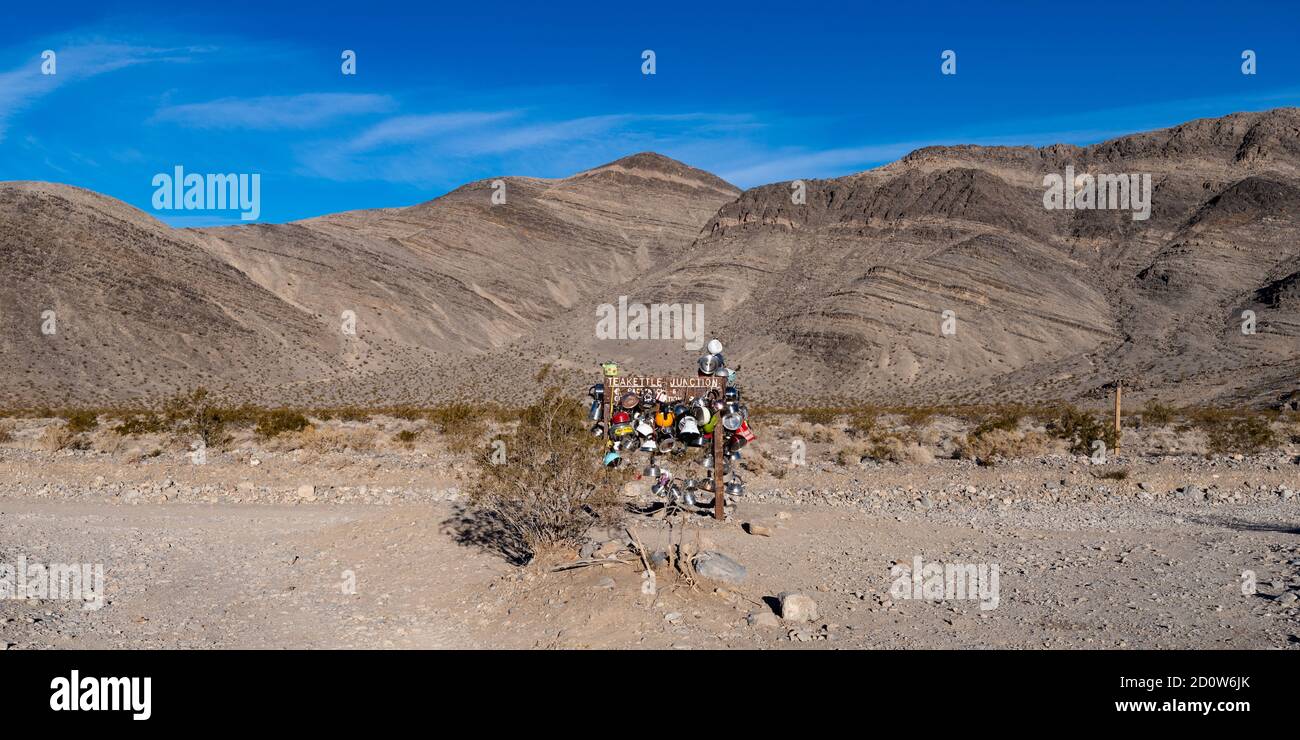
x=272 y=548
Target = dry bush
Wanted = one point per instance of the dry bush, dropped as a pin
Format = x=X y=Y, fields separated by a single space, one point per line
x=56 y=437
x=885 y=447
x=861 y=423
x=275 y=422
x=1246 y=435
x=822 y=416
x=194 y=415
x=406 y=438
x=1157 y=414
x=809 y=432
x=105 y=440
x=1007 y=444
x=920 y=416
x=552 y=487
x=1079 y=429
x=6 y=430
x=333 y=439
x=136 y=424
x=462 y=426
x=81 y=420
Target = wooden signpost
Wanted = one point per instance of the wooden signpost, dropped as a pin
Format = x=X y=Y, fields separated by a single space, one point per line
x=677 y=388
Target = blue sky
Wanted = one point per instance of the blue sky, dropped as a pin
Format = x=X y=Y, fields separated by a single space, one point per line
x=756 y=92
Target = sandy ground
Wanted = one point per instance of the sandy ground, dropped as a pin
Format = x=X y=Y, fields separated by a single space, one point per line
x=234 y=555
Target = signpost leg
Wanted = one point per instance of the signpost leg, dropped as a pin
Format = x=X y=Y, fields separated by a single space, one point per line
x=719 y=498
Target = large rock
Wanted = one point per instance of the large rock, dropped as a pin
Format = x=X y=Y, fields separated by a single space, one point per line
x=719 y=567
x=797 y=607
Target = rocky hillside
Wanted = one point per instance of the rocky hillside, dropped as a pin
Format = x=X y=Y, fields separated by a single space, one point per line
x=841 y=298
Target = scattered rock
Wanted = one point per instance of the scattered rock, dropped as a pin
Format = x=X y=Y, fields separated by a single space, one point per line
x=719 y=567
x=797 y=607
x=1288 y=597
x=307 y=492
x=764 y=618
x=605 y=582
x=757 y=529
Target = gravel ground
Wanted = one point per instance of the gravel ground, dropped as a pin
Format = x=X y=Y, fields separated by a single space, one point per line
x=365 y=550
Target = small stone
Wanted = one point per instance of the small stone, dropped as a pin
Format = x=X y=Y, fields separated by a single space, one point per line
x=605 y=582
x=763 y=618
x=1144 y=486
x=757 y=529
x=673 y=617
x=254 y=462
x=1287 y=598
x=307 y=492
x=609 y=549
x=797 y=607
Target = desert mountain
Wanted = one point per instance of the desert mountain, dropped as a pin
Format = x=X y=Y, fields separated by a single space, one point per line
x=840 y=298
x=259 y=311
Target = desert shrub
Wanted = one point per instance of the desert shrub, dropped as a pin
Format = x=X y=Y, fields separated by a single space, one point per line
x=133 y=425
x=278 y=421
x=194 y=415
x=552 y=488
x=823 y=416
x=999 y=442
x=861 y=423
x=6 y=430
x=1157 y=414
x=58 y=437
x=919 y=416
x=462 y=425
x=1112 y=475
x=1080 y=429
x=1244 y=435
x=1005 y=421
x=407 y=437
x=350 y=413
x=79 y=421
x=321 y=440
x=885 y=447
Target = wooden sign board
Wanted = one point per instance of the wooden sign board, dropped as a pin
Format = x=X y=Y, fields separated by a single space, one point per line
x=680 y=387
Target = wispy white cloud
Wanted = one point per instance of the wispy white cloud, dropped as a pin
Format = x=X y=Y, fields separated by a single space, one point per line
x=791 y=164
x=23 y=86
x=430 y=148
x=275 y=112
x=422 y=128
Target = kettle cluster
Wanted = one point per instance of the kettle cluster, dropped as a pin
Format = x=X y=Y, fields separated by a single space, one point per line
x=676 y=432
